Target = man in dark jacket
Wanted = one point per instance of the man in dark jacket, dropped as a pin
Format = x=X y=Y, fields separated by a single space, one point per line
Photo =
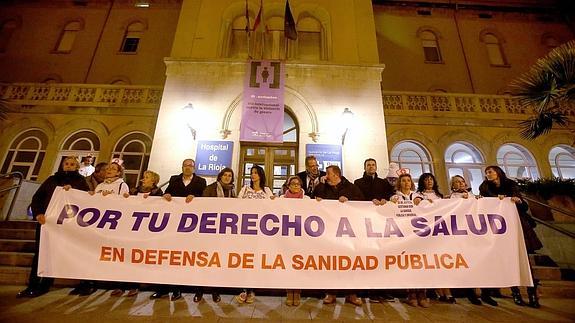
x=338 y=188
x=378 y=190
x=188 y=185
x=67 y=174
x=374 y=189
x=311 y=176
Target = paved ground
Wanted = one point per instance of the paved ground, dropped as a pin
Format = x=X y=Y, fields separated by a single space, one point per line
x=57 y=306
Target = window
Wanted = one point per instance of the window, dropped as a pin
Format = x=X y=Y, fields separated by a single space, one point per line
x=26 y=154
x=517 y=162
x=412 y=155
x=238 y=39
x=430 y=47
x=132 y=37
x=274 y=40
x=562 y=161
x=464 y=159
x=134 y=150
x=494 y=50
x=81 y=143
x=6 y=32
x=309 y=39
x=68 y=36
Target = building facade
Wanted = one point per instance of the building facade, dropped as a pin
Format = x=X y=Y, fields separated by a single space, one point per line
x=427 y=81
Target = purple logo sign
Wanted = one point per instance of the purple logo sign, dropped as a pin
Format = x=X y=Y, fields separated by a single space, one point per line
x=263 y=102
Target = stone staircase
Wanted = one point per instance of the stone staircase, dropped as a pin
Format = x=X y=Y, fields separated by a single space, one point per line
x=17 y=251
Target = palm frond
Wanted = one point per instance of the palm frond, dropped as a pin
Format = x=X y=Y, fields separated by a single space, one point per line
x=542 y=124
x=548 y=87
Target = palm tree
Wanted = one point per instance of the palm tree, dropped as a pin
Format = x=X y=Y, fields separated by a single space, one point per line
x=549 y=88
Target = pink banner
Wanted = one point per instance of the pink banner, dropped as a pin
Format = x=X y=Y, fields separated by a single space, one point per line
x=263 y=102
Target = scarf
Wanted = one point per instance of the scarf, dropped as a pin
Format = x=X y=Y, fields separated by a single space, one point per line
x=110 y=180
x=222 y=190
x=289 y=194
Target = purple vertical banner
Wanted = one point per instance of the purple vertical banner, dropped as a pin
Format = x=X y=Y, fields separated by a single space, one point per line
x=263 y=102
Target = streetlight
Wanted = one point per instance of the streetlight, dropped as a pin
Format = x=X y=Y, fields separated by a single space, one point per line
x=346 y=120
x=190 y=118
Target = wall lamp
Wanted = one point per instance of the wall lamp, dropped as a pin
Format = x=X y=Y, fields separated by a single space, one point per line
x=346 y=121
x=190 y=117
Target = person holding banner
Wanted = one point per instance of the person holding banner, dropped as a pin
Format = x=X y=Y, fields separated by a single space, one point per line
x=459 y=190
x=189 y=185
x=427 y=187
x=67 y=175
x=148 y=187
x=406 y=192
x=378 y=190
x=294 y=191
x=496 y=184
x=338 y=188
x=256 y=190
x=114 y=182
x=222 y=187
x=311 y=176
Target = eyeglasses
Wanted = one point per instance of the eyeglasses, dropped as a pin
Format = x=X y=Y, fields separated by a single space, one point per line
x=294 y=184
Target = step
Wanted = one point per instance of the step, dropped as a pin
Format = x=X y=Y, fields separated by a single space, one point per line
x=12 y=275
x=541 y=260
x=16 y=245
x=546 y=273
x=18 y=225
x=549 y=289
x=20 y=234
x=20 y=259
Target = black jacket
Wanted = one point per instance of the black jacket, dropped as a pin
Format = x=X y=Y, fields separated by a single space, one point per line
x=303 y=177
x=374 y=187
x=178 y=189
x=43 y=195
x=344 y=188
x=509 y=188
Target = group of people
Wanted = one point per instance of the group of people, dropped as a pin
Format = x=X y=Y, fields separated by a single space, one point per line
x=107 y=178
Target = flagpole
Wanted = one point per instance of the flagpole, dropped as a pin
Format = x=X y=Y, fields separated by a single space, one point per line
x=248 y=29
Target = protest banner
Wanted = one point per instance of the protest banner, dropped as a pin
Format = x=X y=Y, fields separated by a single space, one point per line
x=284 y=243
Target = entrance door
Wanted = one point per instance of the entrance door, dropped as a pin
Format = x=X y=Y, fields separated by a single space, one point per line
x=279 y=161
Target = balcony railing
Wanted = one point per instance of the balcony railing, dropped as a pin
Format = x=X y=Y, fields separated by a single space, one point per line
x=487 y=105
x=94 y=95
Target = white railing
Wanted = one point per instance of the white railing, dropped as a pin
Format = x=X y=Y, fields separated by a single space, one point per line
x=397 y=102
x=82 y=94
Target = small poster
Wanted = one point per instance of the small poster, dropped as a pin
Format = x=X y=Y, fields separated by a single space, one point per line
x=213 y=156
x=325 y=154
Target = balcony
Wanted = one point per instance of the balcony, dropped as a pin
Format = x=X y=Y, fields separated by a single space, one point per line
x=83 y=95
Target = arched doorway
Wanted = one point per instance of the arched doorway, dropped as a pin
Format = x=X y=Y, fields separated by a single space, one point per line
x=278 y=160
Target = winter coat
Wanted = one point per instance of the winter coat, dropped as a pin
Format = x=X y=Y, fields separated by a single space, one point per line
x=373 y=187
x=43 y=195
x=344 y=188
x=177 y=188
x=509 y=188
